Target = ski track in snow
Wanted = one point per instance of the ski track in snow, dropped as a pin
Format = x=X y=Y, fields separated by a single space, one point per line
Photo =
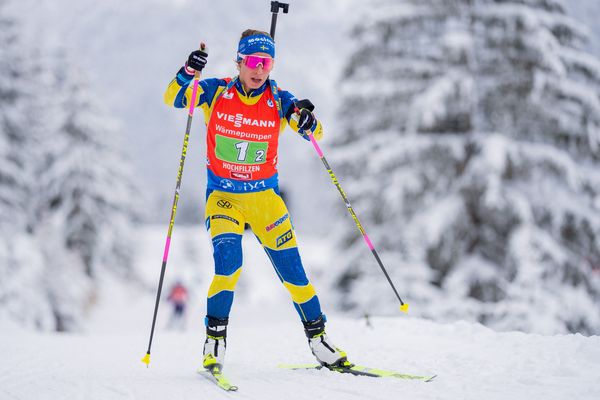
x=471 y=361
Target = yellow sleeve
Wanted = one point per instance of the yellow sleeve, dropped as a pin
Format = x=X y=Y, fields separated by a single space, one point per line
x=179 y=93
x=317 y=132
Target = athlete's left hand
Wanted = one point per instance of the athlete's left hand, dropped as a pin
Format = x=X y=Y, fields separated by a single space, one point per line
x=306 y=119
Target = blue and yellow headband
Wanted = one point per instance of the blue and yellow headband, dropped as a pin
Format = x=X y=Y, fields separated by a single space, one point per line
x=259 y=43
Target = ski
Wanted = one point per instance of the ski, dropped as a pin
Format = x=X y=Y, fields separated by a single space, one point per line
x=215 y=375
x=360 y=370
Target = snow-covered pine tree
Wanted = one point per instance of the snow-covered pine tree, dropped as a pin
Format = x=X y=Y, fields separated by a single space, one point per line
x=75 y=217
x=539 y=89
x=86 y=204
x=409 y=74
x=87 y=179
x=472 y=141
x=22 y=293
x=13 y=106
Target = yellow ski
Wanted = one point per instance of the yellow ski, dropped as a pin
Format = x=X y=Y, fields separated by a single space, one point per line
x=215 y=375
x=361 y=371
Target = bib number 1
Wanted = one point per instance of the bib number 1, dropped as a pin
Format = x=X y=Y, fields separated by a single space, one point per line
x=242 y=150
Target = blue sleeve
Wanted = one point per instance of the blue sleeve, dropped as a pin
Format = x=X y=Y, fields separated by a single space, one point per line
x=209 y=90
x=287 y=103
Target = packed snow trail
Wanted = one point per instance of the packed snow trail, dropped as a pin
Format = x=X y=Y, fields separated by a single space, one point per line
x=104 y=363
x=471 y=361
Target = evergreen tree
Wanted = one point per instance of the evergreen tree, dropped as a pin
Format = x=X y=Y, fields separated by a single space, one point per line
x=13 y=106
x=87 y=180
x=66 y=192
x=473 y=140
x=22 y=290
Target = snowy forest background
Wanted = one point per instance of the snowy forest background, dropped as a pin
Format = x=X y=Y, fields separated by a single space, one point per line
x=466 y=134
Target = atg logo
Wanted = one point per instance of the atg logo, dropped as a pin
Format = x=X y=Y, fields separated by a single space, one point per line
x=283 y=239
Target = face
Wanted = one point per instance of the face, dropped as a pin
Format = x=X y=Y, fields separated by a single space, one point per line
x=253 y=78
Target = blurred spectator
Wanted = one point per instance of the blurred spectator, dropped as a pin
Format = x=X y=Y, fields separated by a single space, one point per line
x=178 y=297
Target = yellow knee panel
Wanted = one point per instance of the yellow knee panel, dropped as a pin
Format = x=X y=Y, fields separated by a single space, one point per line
x=224 y=282
x=300 y=294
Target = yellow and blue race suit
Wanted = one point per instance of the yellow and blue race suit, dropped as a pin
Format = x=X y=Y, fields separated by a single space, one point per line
x=242 y=186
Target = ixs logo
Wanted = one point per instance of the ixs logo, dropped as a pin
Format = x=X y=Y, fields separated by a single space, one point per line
x=277 y=223
x=283 y=239
x=228 y=95
x=252 y=186
x=239 y=120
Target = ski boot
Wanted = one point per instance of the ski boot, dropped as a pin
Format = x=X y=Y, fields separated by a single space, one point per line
x=321 y=346
x=215 y=344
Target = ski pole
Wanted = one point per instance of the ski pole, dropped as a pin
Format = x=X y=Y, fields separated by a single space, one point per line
x=403 y=305
x=146 y=358
x=275 y=6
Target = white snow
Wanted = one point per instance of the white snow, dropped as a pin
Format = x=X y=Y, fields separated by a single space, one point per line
x=471 y=361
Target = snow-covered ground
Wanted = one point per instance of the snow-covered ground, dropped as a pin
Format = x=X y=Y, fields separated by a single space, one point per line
x=472 y=362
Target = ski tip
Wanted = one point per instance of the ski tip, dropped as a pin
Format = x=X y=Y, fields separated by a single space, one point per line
x=430 y=378
x=146 y=360
x=404 y=308
x=217 y=378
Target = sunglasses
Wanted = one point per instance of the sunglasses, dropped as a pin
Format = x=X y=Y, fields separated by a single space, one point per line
x=253 y=62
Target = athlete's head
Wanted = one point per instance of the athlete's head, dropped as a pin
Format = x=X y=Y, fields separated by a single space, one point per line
x=255 y=58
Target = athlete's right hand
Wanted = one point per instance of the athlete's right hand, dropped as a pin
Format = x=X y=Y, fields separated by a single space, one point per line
x=197 y=60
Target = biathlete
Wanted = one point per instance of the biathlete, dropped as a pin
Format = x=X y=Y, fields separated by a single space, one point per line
x=244 y=117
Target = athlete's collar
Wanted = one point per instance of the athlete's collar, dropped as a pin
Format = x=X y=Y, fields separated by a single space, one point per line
x=251 y=93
